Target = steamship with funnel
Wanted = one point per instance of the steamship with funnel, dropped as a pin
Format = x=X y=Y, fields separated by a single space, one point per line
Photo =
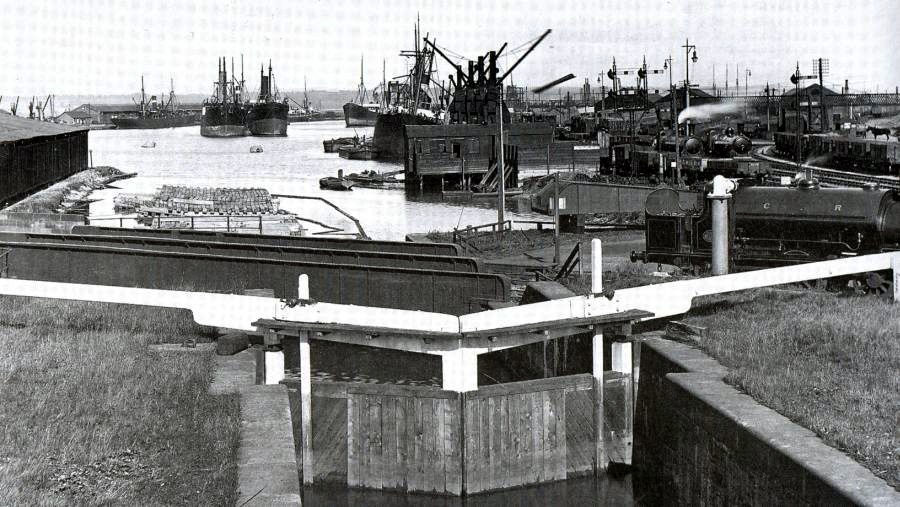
x=268 y=116
x=156 y=115
x=360 y=112
x=408 y=102
x=224 y=114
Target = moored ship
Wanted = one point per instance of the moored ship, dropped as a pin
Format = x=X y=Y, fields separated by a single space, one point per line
x=407 y=102
x=224 y=115
x=360 y=115
x=268 y=116
x=360 y=112
x=155 y=115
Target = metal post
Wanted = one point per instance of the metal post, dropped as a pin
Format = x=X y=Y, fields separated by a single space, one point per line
x=825 y=124
x=227 y=223
x=501 y=188
x=600 y=458
x=91 y=156
x=548 y=160
x=720 y=226
x=305 y=389
x=895 y=272
x=556 y=219
x=260 y=224
x=459 y=369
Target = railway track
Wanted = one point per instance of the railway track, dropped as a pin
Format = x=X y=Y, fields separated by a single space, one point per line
x=781 y=167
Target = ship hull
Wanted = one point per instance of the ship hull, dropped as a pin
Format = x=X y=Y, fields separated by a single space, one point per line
x=356 y=115
x=228 y=120
x=268 y=119
x=388 y=135
x=163 y=122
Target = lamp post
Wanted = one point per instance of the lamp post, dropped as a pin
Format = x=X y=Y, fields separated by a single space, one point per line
x=747 y=75
x=687 y=75
x=668 y=65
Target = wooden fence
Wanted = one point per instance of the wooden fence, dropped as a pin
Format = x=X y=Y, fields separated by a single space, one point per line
x=427 y=440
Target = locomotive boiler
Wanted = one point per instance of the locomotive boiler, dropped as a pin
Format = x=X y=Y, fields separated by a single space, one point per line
x=718 y=143
x=775 y=226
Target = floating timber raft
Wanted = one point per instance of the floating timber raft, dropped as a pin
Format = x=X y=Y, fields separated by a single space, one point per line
x=252 y=210
x=186 y=199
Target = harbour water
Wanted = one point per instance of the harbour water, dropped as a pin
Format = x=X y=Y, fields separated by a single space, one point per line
x=291 y=165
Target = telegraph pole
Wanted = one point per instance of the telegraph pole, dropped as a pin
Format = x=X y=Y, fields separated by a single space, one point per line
x=821 y=65
x=687 y=76
x=669 y=65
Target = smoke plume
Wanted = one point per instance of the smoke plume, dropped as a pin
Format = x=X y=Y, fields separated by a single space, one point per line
x=708 y=111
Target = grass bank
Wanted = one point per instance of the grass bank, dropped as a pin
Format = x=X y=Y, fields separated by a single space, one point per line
x=828 y=362
x=89 y=416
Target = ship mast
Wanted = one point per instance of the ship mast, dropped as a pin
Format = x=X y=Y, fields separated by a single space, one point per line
x=143 y=106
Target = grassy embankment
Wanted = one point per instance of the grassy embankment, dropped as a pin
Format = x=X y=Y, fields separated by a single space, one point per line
x=826 y=361
x=89 y=416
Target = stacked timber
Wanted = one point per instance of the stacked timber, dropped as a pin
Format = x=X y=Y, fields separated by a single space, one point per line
x=250 y=210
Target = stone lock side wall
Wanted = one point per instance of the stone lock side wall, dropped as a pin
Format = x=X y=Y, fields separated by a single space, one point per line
x=718 y=446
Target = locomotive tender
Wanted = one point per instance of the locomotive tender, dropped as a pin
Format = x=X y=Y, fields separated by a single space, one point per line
x=775 y=226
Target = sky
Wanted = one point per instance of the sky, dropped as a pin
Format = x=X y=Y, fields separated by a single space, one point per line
x=104 y=46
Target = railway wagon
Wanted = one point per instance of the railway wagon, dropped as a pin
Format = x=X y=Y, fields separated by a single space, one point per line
x=300 y=253
x=450 y=292
x=870 y=156
x=777 y=226
x=369 y=245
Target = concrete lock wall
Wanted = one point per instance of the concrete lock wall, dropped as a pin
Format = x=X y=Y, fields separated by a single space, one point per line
x=368 y=245
x=720 y=447
x=380 y=286
x=246 y=249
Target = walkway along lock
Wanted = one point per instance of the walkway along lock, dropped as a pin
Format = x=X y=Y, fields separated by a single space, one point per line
x=558 y=419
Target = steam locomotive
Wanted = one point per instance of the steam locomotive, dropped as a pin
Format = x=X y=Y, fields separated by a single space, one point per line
x=776 y=226
x=713 y=151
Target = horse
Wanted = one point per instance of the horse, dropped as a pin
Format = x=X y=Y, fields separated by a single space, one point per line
x=876 y=131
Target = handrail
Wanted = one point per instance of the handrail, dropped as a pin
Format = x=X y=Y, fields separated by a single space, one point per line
x=654 y=301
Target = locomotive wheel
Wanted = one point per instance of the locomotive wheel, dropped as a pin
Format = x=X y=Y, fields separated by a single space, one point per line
x=879 y=283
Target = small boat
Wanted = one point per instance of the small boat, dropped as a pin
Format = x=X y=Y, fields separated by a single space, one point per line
x=373 y=178
x=339 y=183
x=332 y=145
x=358 y=152
x=256 y=149
x=332 y=183
x=149 y=144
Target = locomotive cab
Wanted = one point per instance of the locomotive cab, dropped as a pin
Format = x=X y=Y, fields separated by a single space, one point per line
x=671 y=224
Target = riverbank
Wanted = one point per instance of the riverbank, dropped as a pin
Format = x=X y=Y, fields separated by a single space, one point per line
x=89 y=415
x=69 y=194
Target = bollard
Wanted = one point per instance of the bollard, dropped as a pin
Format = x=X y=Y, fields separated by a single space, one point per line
x=596 y=266
x=305 y=389
x=721 y=193
x=600 y=457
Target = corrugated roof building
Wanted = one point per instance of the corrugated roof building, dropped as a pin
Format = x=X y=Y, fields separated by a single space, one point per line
x=34 y=154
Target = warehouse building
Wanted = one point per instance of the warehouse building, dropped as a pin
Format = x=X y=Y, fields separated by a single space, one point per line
x=34 y=154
